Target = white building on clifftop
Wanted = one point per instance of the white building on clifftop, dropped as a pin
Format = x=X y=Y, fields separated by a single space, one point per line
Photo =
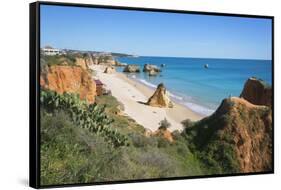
x=48 y=50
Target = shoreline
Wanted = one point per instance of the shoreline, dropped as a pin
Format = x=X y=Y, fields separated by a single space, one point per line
x=147 y=91
x=133 y=94
x=174 y=97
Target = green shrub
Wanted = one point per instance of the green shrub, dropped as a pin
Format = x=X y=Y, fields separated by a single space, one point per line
x=139 y=140
x=70 y=154
x=164 y=124
x=89 y=116
x=187 y=123
x=216 y=155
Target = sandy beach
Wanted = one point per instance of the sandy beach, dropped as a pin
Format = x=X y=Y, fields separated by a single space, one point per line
x=133 y=94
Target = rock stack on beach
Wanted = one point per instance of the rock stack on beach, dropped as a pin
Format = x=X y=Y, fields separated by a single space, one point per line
x=109 y=70
x=160 y=98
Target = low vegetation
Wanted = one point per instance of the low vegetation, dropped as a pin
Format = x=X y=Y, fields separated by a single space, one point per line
x=49 y=60
x=164 y=124
x=71 y=153
x=89 y=116
x=215 y=150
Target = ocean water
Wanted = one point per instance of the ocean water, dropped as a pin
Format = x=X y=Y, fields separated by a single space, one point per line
x=197 y=88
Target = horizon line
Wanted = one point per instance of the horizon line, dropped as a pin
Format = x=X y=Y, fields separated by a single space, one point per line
x=233 y=58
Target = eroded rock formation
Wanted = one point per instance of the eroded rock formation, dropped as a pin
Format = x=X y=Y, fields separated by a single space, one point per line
x=103 y=60
x=132 y=69
x=160 y=98
x=164 y=133
x=149 y=67
x=152 y=73
x=81 y=62
x=257 y=92
x=109 y=70
x=71 y=79
x=238 y=134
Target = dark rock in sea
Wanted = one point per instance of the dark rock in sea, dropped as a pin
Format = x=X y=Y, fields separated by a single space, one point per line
x=148 y=67
x=152 y=73
x=119 y=64
x=132 y=69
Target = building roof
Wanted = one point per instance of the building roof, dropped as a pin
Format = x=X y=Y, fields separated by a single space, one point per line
x=98 y=82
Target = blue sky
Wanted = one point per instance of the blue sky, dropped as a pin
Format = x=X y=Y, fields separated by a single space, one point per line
x=155 y=34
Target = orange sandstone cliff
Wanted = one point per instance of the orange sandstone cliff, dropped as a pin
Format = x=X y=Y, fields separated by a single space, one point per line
x=257 y=92
x=72 y=79
x=238 y=135
x=250 y=129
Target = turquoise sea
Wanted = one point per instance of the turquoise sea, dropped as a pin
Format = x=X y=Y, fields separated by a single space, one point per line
x=200 y=89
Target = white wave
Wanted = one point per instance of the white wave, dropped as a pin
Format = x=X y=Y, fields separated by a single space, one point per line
x=199 y=109
x=175 y=96
x=147 y=83
x=186 y=101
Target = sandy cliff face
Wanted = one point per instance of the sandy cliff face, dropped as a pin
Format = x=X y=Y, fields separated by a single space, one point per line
x=104 y=60
x=257 y=92
x=82 y=63
x=89 y=60
x=160 y=98
x=71 y=79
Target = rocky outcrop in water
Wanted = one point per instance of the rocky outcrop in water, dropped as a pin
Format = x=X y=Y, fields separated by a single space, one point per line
x=149 y=67
x=152 y=73
x=257 y=92
x=119 y=64
x=131 y=69
x=72 y=79
x=160 y=98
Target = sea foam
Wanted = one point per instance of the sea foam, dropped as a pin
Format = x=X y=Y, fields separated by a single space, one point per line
x=147 y=83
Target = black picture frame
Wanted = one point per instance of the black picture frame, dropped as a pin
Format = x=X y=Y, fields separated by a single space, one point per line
x=34 y=92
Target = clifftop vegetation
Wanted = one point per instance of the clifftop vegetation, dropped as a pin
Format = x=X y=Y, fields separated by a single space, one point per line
x=71 y=152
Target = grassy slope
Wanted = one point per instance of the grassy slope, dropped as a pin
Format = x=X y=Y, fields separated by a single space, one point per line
x=214 y=149
x=70 y=154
